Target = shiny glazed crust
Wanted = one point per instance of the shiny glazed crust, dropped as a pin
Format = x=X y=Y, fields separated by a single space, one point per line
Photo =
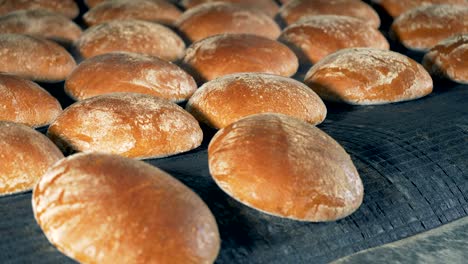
x=269 y=7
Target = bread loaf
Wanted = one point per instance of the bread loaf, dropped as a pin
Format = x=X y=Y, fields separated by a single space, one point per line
x=285 y=167
x=269 y=7
x=449 y=58
x=318 y=36
x=423 y=27
x=34 y=58
x=67 y=8
x=129 y=72
x=397 y=7
x=98 y=208
x=364 y=76
x=236 y=53
x=26 y=154
x=25 y=102
x=227 y=99
x=131 y=36
x=294 y=10
x=128 y=124
x=219 y=18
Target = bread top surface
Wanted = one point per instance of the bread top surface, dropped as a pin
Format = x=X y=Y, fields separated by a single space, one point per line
x=227 y=99
x=67 y=8
x=368 y=76
x=318 y=36
x=449 y=58
x=26 y=102
x=131 y=36
x=100 y=208
x=128 y=124
x=42 y=23
x=397 y=7
x=34 y=58
x=294 y=10
x=219 y=18
x=160 y=11
x=269 y=7
x=423 y=27
x=285 y=167
x=221 y=55
x=26 y=154
x=129 y=72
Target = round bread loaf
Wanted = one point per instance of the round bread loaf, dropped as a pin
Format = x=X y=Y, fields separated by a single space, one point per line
x=227 y=99
x=67 y=8
x=397 y=7
x=99 y=208
x=423 y=27
x=269 y=7
x=217 y=18
x=26 y=154
x=129 y=72
x=285 y=167
x=365 y=76
x=34 y=58
x=294 y=10
x=129 y=124
x=221 y=55
x=41 y=23
x=159 y=11
x=449 y=58
x=319 y=36
x=25 y=102
x=132 y=36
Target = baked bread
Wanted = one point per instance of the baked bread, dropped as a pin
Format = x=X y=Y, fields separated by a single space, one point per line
x=449 y=58
x=129 y=72
x=25 y=102
x=98 y=208
x=67 y=8
x=132 y=36
x=227 y=99
x=318 y=36
x=269 y=7
x=26 y=155
x=365 y=76
x=221 y=55
x=423 y=27
x=34 y=58
x=397 y=7
x=160 y=11
x=129 y=124
x=220 y=18
x=41 y=23
x=294 y=10
x=285 y=167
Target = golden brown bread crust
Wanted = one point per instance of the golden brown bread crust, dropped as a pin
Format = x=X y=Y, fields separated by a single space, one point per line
x=41 y=23
x=318 y=36
x=397 y=7
x=423 y=27
x=34 y=58
x=129 y=72
x=128 y=124
x=221 y=55
x=131 y=36
x=269 y=7
x=220 y=18
x=227 y=99
x=26 y=155
x=159 y=11
x=297 y=9
x=364 y=76
x=449 y=58
x=285 y=167
x=100 y=208
x=67 y=8
x=25 y=102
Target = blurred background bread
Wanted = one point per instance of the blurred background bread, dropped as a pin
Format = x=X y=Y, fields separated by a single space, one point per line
x=67 y=8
